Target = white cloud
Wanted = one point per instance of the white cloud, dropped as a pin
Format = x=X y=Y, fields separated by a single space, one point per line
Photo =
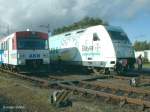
x=60 y=12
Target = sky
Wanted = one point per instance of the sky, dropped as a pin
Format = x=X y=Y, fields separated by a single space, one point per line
x=132 y=15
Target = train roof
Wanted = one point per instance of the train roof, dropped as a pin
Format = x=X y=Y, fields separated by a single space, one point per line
x=78 y=31
x=81 y=30
x=26 y=33
x=6 y=37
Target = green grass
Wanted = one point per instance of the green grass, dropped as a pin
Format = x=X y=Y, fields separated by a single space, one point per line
x=20 y=94
x=146 y=65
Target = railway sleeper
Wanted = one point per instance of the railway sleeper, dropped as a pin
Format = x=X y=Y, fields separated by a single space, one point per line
x=107 y=99
x=122 y=103
x=130 y=90
x=113 y=97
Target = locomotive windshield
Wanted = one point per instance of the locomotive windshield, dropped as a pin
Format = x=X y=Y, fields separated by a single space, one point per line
x=32 y=44
x=118 y=35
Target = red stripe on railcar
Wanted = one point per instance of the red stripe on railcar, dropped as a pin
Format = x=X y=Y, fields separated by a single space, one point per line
x=14 y=43
x=30 y=34
x=42 y=35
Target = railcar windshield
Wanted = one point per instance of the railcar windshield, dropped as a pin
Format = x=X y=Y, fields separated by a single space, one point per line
x=32 y=44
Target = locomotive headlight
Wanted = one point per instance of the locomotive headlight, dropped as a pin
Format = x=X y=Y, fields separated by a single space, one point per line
x=45 y=55
x=46 y=61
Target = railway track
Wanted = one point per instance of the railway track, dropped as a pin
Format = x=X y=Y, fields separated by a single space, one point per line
x=108 y=96
x=140 y=79
x=127 y=95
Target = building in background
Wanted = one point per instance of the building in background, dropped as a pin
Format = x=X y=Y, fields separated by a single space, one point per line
x=145 y=54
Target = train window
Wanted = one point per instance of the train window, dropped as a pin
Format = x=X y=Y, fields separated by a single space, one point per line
x=46 y=44
x=13 y=44
x=95 y=37
x=81 y=31
x=67 y=34
x=2 y=46
x=6 y=45
x=32 y=44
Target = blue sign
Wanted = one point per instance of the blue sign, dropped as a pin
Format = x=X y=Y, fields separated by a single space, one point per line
x=34 y=56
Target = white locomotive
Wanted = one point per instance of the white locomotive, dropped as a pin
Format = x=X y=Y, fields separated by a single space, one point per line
x=95 y=47
x=25 y=51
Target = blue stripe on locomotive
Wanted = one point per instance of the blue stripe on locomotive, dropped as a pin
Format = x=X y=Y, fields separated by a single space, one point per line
x=1 y=54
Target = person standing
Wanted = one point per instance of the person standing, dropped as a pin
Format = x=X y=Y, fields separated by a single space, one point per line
x=139 y=62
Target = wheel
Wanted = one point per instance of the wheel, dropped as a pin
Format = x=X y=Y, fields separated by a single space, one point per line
x=106 y=71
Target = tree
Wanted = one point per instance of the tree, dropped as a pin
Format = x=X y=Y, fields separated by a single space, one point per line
x=84 y=23
x=141 y=45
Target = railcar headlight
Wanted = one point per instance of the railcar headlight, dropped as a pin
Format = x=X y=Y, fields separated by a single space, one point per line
x=21 y=62
x=21 y=55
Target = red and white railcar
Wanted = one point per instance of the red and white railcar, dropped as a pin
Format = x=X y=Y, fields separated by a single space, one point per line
x=25 y=51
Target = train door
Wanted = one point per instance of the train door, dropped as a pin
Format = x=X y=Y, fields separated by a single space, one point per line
x=5 y=48
x=1 y=59
x=7 y=44
x=6 y=51
x=96 y=48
